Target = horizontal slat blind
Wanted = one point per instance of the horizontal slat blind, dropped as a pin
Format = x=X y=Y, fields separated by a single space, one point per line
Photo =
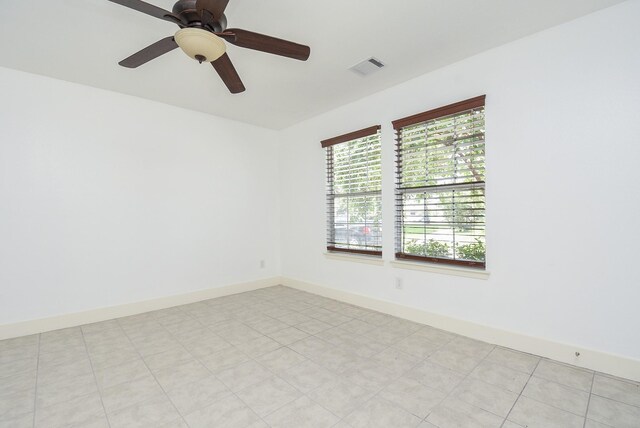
x=354 y=192
x=440 y=185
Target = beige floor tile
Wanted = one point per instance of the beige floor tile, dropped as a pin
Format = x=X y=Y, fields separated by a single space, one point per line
x=557 y=395
x=617 y=389
x=412 y=396
x=172 y=357
x=256 y=347
x=271 y=346
x=196 y=395
x=435 y=376
x=613 y=413
x=417 y=345
x=65 y=390
x=128 y=393
x=485 y=396
x=288 y=336
x=379 y=413
x=459 y=361
x=229 y=412
x=564 y=374
x=454 y=413
x=513 y=359
x=268 y=396
x=180 y=374
x=22 y=421
x=307 y=376
x=301 y=413
x=500 y=376
x=18 y=382
x=64 y=372
x=281 y=360
x=14 y=404
x=340 y=397
x=67 y=413
x=244 y=375
x=14 y=367
x=531 y=413
x=121 y=373
x=395 y=360
x=149 y=413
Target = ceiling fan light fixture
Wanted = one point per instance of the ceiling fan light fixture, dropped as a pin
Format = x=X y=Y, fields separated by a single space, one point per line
x=200 y=45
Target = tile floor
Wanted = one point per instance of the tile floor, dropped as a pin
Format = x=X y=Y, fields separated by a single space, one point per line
x=278 y=357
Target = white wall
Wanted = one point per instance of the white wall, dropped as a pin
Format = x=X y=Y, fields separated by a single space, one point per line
x=563 y=194
x=108 y=199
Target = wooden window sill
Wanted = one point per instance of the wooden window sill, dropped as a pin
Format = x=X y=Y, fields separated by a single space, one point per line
x=357 y=258
x=441 y=269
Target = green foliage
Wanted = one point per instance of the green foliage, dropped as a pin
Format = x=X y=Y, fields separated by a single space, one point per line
x=473 y=251
x=431 y=248
x=357 y=168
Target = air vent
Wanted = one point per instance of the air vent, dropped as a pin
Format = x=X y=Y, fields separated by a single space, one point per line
x=367 y=66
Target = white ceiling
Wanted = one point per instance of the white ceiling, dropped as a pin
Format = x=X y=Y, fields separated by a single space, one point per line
x=83 y=40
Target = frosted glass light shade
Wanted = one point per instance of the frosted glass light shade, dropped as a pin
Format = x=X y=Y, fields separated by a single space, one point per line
x=196 y=42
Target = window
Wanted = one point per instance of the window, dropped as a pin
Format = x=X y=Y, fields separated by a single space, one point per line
x=440 y=185
x=354 y=192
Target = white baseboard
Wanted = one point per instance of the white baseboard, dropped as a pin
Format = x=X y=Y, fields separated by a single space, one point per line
x=42 y=325
x=612 y=364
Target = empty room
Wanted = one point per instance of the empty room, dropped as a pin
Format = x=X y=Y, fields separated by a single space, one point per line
x=335 y=214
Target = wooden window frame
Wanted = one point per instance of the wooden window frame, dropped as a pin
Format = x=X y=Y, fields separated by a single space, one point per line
x=328 y=144
x=398 y=125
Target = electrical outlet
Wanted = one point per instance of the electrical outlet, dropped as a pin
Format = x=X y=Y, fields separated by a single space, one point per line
x=262 y=264
x=398 y=284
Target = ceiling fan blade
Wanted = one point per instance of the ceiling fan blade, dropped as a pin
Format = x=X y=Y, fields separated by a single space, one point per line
x=260 y=42
x=160 y=47
x=214 y=7
x=149 y=9
x=228 y=74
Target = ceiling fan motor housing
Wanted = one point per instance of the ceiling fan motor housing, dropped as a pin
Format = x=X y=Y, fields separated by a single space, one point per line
x=186 y=9
x=203 y=36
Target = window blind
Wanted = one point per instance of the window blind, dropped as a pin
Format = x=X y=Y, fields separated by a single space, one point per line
x=440 y=185
x=354 y=192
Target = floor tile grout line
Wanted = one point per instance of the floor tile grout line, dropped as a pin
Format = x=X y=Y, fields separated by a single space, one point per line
x=391 y=346
x=523 y=388
x=152 y=374
x=35 y=397
x=206 y=368
x=462 y=380
x=95 y=378
x=195 y=358
x=569 y=387
x=249 y=407
x=254 y=359
x=554 y=407
x=284 y=380
x=325 y=305
x=564 y=386
x=309 y=359
x=318 y=404
x=586 y=412
x=614 y=400
x=421 y=361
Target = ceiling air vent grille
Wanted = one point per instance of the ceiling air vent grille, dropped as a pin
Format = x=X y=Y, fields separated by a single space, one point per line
x=367 y=66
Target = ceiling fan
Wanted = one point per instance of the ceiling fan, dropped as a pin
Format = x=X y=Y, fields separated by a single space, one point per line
x=202 y=35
